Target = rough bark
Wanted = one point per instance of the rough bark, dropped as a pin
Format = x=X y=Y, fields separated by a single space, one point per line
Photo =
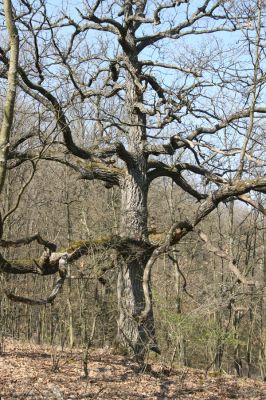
x=136 y=336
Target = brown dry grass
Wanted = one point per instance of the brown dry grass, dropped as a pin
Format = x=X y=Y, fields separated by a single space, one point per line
x=27 y=371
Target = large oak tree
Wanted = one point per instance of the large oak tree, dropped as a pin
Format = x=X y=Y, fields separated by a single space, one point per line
x=132 y=91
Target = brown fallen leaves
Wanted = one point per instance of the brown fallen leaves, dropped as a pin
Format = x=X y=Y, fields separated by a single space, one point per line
x=28 y=371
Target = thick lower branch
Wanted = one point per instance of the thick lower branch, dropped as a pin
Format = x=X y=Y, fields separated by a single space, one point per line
x=87 y=170
x=48 y=263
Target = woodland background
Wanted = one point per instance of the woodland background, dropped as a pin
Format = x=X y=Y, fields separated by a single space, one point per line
x=205 y=318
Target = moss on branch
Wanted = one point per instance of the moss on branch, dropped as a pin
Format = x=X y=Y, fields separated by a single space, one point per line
x=94 y=165
x=127 y=247
x=99 y=170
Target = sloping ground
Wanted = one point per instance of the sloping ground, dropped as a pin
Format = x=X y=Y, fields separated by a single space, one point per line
x=36 y=372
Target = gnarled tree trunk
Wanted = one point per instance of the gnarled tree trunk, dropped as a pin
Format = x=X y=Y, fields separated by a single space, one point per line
x=136 y=336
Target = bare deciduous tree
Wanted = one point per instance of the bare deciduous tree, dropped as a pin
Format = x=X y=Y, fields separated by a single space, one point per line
x=163 y=91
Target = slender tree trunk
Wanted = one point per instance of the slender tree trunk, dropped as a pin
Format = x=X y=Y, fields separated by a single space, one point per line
x=181 y=341
x=11 y=90
x=237 y=357
x=262 y=344
x=69 y=285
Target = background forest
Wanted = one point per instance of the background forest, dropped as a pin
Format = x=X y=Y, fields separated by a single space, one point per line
x=205 y=318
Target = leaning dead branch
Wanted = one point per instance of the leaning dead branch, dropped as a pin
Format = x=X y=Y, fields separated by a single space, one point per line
x=221 y=253
x=248 y=200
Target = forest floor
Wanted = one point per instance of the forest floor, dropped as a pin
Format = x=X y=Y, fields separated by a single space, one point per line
x=29 y=371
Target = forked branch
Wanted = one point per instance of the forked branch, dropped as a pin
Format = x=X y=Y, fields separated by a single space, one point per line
x=58 y=286
x=176 y=232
